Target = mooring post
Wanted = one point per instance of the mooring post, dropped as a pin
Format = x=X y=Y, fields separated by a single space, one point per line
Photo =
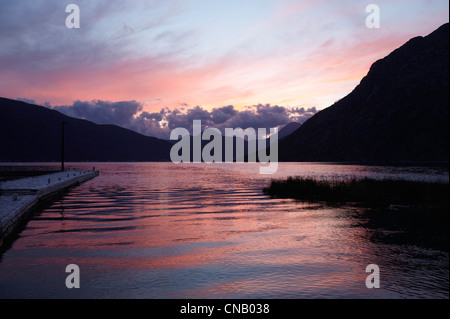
x=62 y=145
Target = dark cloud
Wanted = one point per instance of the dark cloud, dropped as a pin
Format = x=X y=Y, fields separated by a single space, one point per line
x=222 y=114
x=261 y=116
x=130 y=114
x=30 y=101
x=103 y=112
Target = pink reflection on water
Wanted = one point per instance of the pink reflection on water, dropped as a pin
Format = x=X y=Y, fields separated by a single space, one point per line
x=160 y=232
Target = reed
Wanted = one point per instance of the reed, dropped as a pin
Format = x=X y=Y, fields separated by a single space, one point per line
x=381 y=191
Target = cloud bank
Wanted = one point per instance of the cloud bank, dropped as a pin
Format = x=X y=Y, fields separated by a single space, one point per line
x=130 y=114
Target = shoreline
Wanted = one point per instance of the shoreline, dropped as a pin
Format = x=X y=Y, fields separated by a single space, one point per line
x=19 y=197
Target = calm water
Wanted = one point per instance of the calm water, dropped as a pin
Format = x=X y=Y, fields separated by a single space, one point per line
x=160 y=230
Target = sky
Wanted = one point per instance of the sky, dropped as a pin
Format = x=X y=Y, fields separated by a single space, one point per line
x=151 y=65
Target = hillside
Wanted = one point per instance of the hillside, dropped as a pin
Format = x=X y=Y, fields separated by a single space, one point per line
x=33 y=133
x=398 y=112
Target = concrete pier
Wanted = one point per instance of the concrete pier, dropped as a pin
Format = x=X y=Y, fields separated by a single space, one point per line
x=19 y=197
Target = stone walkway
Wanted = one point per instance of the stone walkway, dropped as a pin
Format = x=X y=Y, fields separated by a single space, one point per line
x=18 y=197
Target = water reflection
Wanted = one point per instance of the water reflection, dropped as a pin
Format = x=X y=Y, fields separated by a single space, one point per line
x=171 y=231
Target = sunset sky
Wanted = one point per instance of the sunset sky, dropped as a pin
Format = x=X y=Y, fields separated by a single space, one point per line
x=211 y=54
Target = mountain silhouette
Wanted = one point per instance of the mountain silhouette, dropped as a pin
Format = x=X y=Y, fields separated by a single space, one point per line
x=288 y=129
x=33 y=133
x=398 y=112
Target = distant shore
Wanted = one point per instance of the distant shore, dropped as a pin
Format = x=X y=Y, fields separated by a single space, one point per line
x=4 y=163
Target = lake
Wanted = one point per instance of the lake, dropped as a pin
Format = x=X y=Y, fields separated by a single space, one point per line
x=164 y=230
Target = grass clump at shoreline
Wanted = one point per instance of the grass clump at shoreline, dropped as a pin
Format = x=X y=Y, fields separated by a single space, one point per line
x=375 y=191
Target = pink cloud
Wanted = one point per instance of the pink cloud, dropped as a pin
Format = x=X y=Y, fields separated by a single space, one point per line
x=281 y=59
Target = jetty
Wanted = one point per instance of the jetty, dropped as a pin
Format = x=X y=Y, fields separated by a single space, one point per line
x=19 y=197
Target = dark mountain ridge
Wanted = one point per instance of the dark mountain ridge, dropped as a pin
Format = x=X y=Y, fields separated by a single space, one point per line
x=398 y=112
x=33 y=133
x=288 y=129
